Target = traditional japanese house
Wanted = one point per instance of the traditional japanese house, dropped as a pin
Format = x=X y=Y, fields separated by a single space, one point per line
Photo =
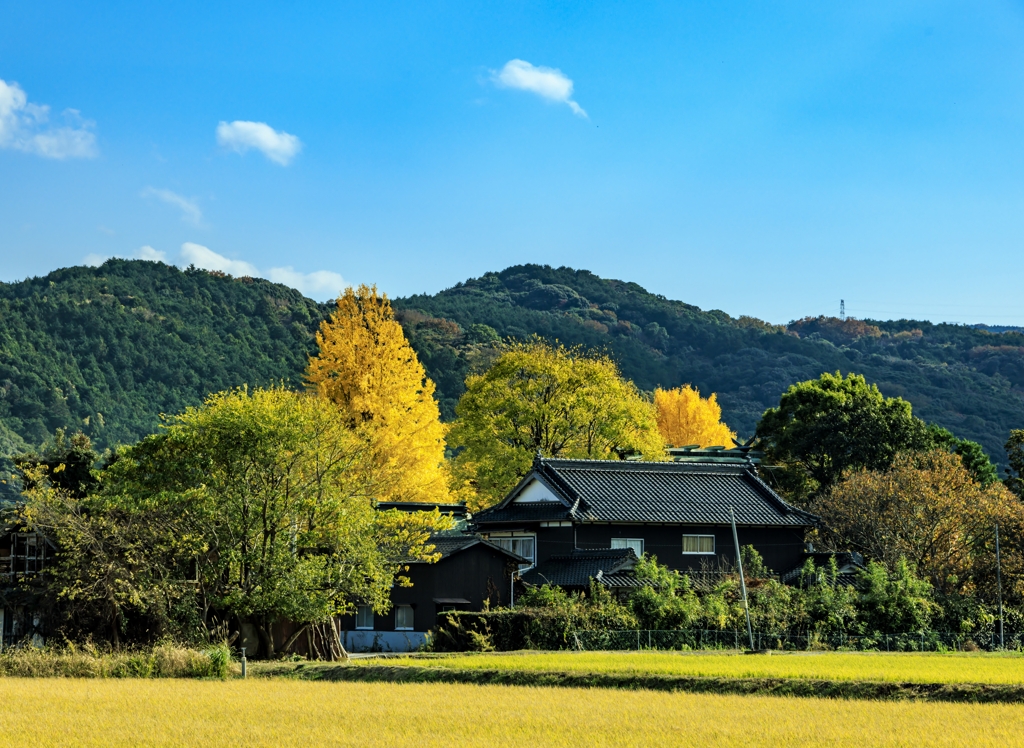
x=566 y=511
x=471 y=573
x=23 y=555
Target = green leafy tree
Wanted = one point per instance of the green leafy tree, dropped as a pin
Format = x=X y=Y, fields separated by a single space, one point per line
x=1015 y=453
x=560 y=402
x=827 y=426
x=261 y=501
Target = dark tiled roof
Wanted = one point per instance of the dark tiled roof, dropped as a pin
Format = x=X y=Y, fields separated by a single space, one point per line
x=623 y=579
x=576 y=569
x=448 y=544
x=672 y=492
x=547 y=511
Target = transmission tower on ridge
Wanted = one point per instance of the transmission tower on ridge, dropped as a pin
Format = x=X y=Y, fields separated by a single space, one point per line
x=842 y=309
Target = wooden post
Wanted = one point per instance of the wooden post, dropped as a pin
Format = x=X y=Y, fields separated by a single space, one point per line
x=743 y=582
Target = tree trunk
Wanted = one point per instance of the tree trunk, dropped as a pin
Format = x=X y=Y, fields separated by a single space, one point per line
x=287 y=648
x=266 y=640
x=337 y=638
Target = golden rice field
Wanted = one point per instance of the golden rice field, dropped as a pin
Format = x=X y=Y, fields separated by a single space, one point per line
x=1001 y=668
x=281 y=712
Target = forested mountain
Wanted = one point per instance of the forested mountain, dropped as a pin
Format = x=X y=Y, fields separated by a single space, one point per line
x=967 y=379
x=107 y=349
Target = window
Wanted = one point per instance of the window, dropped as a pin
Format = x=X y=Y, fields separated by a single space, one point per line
x=698 y=543
x=364 y=617
x=403 y=618
x=637 y=544
x=525 y=546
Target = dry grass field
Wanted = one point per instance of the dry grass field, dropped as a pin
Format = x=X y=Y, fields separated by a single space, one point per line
x=1001 y=668
x=71 y=712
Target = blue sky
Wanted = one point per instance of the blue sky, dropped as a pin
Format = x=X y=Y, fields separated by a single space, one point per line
x=761 y=158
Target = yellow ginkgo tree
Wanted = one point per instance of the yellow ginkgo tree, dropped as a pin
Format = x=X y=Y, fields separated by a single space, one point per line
x=684 y=418
x=367 y=368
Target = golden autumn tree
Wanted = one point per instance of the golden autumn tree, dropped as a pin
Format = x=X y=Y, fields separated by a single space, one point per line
x=538 y=397
x=928 y=509
x=684 y=418
x=367 y=368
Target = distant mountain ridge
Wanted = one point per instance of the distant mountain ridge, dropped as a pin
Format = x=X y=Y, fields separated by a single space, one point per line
x=108 y=349
x=968 y=380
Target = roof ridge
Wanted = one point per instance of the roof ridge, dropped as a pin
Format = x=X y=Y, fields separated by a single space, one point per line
x=554 y=463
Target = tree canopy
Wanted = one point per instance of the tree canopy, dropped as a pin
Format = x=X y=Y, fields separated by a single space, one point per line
x=367 y=368
x=825 y=427
x=558 y=401
x=685 y=418
x=1015 y=473
x=928 y=509
x=105 y=350
x=254 y=507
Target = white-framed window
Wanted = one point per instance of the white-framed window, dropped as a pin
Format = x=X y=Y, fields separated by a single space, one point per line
x=637 y=544
x=521 y=545
x=403 y=618
x=698 y=544
x=364 y=617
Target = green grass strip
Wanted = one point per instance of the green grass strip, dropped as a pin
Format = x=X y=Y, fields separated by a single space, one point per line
x=829 y=689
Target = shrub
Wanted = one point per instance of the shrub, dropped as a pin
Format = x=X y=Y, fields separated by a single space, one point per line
x=87 y=661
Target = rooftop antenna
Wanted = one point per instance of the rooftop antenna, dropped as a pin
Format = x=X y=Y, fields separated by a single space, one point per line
x=842 y=309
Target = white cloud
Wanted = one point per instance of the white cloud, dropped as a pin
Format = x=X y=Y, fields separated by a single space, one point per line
x=190 y=211
x=320 y=284
x=146 y=252
x=24 y=126
x=240 y=136
x=549 y=83
x=206 y=258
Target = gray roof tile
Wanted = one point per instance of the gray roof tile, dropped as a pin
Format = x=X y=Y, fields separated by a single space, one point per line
x=576 y=569
x=670 y=492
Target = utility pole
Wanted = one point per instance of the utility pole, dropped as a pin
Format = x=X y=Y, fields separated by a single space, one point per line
x=743 y=582
x=999 y=586
x=842 y=309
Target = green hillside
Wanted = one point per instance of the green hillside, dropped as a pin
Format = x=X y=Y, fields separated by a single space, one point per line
x=107 y=349
x=969 y=380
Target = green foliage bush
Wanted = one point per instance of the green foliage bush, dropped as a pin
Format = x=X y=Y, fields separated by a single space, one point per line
x=87 y=661
x=819 y=607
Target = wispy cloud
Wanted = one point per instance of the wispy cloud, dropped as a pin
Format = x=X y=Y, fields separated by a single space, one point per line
x=240 y=136
x=190 y=211
x=549 y=83
x=146 y=252
x=206 y=258
x=319 y=284
x=24 y=126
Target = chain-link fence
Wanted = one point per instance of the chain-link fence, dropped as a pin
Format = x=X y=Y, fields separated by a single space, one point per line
x=931 y=641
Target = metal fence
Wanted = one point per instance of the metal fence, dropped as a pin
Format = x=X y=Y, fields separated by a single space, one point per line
x=931 y=641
